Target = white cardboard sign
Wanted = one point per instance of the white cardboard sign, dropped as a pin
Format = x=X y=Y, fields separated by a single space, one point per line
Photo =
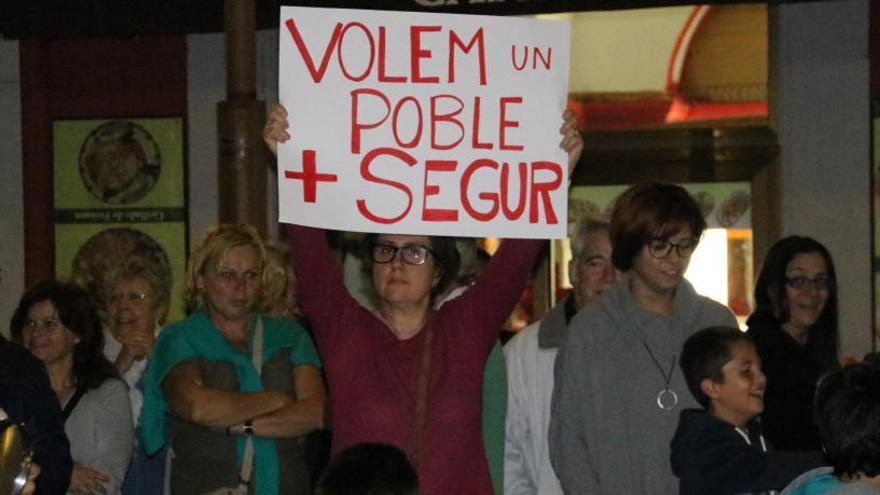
x=416 y=123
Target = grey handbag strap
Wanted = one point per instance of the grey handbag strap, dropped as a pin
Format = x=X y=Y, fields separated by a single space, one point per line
x=247 y=462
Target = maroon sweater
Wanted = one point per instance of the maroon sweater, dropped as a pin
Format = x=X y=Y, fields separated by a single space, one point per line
x=372 y=376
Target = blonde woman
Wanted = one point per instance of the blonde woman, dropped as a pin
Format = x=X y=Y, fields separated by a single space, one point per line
x=202 y=371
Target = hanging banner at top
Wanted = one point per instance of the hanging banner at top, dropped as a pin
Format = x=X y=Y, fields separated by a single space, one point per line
x=125 y=18
x=507 y=7
x=434 y=124
x=483 y=7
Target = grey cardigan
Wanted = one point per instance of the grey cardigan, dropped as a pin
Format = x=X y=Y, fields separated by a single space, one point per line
x=607 y=433
x=101 y=432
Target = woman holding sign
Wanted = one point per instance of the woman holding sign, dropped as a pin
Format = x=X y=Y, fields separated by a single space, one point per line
x=406 y=374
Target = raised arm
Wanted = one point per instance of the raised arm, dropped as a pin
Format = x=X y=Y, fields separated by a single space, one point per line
x=507 y=272
x=324 y=294
x=489 y=302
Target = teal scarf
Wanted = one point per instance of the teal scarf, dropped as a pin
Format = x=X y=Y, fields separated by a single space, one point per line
x=196 y=337
x=818 y=485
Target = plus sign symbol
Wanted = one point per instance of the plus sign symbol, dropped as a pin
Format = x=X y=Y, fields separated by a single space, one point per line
x=310 y=176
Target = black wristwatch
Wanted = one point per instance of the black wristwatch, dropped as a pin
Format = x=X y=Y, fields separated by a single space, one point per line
x=247 y=428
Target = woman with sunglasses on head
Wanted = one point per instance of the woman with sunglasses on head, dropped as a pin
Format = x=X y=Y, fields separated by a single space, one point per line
x=794 y=327
x=619 y=389
x=406 y=374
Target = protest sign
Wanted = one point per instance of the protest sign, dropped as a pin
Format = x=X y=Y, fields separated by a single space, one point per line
x=423 y=123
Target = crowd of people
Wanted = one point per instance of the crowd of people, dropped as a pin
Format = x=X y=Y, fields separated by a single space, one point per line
x=633 y=384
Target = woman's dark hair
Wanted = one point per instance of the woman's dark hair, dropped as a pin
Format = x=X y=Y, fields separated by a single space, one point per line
x=771 y=300
x=848 y=414
x=76 y=311
x=369 y=469
x=647 y=211
x=704 y=355
x=446 y=258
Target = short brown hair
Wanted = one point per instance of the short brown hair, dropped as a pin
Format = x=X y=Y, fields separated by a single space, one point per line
x=647 y=211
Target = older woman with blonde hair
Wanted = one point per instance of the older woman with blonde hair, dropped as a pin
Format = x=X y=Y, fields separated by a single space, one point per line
x=241 y=386
x=137 y=292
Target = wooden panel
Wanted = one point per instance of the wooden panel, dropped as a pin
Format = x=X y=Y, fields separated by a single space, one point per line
x=675 y=155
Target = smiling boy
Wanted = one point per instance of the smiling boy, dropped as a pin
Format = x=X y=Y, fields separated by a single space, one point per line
x=718 y=450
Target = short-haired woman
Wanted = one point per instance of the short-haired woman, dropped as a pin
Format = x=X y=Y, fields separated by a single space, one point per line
x=794 y=327
x=203 y=371
x=618 y=388
x=60 y=326
x=137 y=292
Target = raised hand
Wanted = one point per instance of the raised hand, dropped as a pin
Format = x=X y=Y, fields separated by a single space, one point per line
x=275 y=130
x=572 y=141
x=138 y=343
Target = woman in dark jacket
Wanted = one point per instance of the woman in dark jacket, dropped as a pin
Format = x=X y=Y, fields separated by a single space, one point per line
x=27 y=398
x=794 y=327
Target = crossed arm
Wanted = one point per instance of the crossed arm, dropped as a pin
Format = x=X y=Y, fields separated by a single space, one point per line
x=272 y=414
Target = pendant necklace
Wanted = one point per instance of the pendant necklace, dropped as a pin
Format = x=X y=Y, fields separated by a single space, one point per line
x=666 y=398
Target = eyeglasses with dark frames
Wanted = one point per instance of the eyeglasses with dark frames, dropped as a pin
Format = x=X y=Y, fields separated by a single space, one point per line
x=660 y=248
x=415 y=254
x=819 y=282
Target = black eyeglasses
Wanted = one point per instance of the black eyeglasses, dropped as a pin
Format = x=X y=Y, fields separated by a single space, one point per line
x=660 y=248
x=819 y=282
x=413 y=255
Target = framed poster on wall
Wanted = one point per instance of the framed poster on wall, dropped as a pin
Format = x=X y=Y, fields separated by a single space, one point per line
x=119 y=191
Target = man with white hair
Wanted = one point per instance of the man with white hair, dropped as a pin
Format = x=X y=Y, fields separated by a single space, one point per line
x=531 y=355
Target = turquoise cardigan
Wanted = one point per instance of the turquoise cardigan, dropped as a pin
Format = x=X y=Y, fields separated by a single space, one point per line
x=196 y=337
